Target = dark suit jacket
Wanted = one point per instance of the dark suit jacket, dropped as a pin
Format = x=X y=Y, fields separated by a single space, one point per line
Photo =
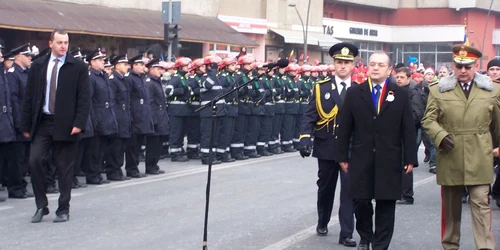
x=377 y=140
x=72 y=98
x=324 y=137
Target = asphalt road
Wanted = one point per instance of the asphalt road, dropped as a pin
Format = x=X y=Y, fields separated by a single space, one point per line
x=261 y=204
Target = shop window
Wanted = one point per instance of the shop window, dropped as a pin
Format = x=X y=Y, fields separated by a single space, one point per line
x=212 y=46
x=443 y=58
x=444 y=47
x=428 y=59
x=427 y=47
x=221 y=47
x=410 y=47
x=235 y=49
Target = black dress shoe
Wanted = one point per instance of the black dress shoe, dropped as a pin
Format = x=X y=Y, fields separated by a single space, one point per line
x=179 y=158
x=404 y=202
x=155 y=172
x=227 y=158
x=61 y=218
x=194 y=157
x=97 y=182
x=2 y=199
x=426 y=159
x=39 y=214
x=240 y=157
x=116 y=178
x=347 y=241
x=322 y=231
x=364 y=245
x=52 y=190
x=253 y=155
x=136 y=175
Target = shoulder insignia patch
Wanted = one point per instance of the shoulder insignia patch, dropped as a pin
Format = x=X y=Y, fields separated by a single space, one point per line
x=111 y=77
x=148 y=79
x=12 y=69
x=433 y=83
x=323 y=81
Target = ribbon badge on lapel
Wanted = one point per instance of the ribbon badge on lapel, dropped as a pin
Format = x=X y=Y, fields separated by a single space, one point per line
x=390 y=96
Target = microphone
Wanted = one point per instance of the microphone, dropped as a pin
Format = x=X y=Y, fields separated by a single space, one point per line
x=282 y=63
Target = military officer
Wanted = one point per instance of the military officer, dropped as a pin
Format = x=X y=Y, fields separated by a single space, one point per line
x=141 y=115
x=178 y=93
x=8 y=61
x=279 y=110
x=118 y=142
x=226 y=80
x=291 y=107
x=266 y=122
x=17 y=78
x=321 y=118
x=102 y=115
x=160 y=116
x=108 y=67
x=210 y=89
x=244 y=108
x=77 y=53
x=459 y=112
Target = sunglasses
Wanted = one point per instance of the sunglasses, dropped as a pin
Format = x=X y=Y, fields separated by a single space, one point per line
x=461 y=66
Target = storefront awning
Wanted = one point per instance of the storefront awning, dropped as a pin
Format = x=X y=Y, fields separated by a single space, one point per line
x=313 y=38
x=34 y=15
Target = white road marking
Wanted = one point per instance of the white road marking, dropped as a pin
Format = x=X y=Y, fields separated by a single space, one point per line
x=5 y=208
x=191 y=172
x=310 y=231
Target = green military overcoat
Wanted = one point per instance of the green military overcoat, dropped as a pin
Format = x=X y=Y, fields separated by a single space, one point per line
x=467 y=121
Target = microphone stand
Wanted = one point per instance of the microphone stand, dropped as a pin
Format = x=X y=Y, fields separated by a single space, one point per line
x=211 y=143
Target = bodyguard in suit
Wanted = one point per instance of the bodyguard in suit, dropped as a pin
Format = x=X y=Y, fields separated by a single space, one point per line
x=140 y=113
x=55 y=110
x=102 y=115
x=376 y=115
x=320 y=120
x=160 y=116
x=116 y=156
x=17 y=78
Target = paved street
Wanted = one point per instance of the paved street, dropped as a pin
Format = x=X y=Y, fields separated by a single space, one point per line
x=267 y=203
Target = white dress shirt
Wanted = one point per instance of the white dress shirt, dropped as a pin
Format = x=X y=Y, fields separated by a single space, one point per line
x=339 y=86
x=61 y=59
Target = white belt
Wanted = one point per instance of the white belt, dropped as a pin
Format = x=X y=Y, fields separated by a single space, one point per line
x=177 y=102
x=262 y=90
x=269 y=103
x=280 y=101
x=195 y=103
x=218 y=102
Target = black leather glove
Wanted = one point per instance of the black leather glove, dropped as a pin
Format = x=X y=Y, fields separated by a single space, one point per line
x=447 y=143
x=305 y=146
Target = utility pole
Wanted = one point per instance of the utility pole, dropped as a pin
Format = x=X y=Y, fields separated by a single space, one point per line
x=169 y=53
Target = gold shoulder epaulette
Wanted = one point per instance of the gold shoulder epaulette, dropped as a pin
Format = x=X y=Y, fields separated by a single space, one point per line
x=323 y=81
x=433 y=83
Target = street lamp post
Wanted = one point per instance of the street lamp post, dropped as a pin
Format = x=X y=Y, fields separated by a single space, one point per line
x=304 y=28
x=484 y=33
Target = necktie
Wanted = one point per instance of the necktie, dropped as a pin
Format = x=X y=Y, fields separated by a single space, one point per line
x=377 y=97
x=466 y=88
x=53 y=88
x=343 y=92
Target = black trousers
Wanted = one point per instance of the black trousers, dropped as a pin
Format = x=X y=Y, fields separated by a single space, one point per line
x=193 y=136
x=296 y=130
x=115 y=156
x=132 y=153
x=287 y=130
x=153 y=152
x=64 y=154
x=84 y=157
x=50 y=167
x=265 y=130
x=206 y=129
x=240 y=130
x=275 y=133
x=22 y=156
x=407 y=185
x=178 y=130
x=226 y=132
x=252 y=134
x=384 y=221
x=328 y=173
x=8 y=160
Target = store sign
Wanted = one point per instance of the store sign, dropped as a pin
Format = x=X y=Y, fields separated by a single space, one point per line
x=328 y=30
x=245 y=25
x=363 y=32
x=356 y=30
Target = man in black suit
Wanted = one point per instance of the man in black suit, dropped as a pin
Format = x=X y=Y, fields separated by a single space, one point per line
x=378 y=117
x=321 y=117
x=55 y=110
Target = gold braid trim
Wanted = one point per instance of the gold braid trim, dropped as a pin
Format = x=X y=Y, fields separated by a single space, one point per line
x=325 y=118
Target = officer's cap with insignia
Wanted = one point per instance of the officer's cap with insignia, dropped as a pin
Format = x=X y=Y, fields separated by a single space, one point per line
x=107 y=63
x=465 y=55
x=154 y=63
x=77 y=53
x=95 y=54
x=9 y=56
x=136 y=59
x=22 y=50
x=343 y=51
x=119 y=59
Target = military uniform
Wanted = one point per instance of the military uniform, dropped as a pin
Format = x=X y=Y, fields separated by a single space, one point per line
x=291 y=111
x=103 y=116
x=279 y=110
x=256 y=94
x=227 y=82
x=241 y=123
x=193 y=125
x=457 y=119
x=116 y=157
x=160 y=120
x=178 y=94
x=304 y=88
x=266 y=122
x=142 y=119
